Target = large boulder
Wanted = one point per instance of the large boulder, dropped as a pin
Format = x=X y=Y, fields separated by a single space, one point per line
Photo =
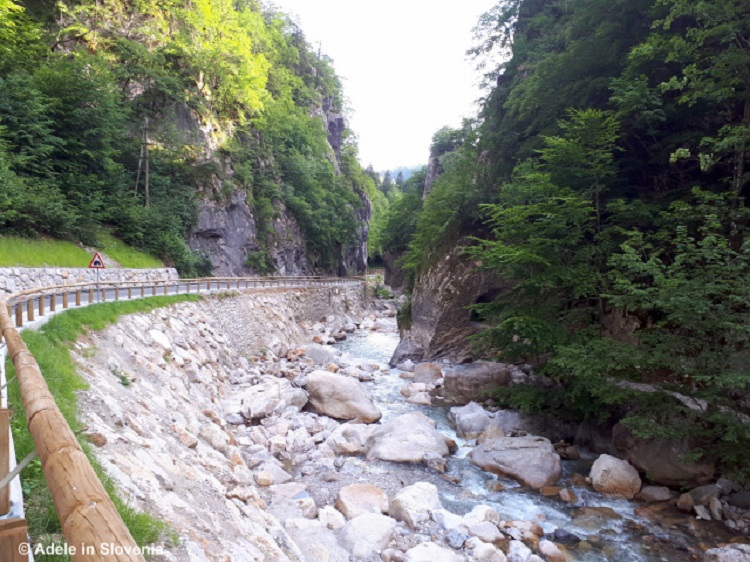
x=464 y=383
x=663 y=459
x=470 y=421
x=615 y=477
x=531 y=460
x=408 y=438
x=340 y=397
x=270 y=395
x=357 y=499
x=414 y=504
x=366 y=534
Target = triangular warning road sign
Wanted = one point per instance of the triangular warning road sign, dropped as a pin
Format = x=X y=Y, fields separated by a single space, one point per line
x=96 y=262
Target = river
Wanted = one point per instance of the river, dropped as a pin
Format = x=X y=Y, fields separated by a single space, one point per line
x=611 y=529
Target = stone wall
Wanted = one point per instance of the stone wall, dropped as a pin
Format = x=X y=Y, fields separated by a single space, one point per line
x=15 y=279
x=280 y=317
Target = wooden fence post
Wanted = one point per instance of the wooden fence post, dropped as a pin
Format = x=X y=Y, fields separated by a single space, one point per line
x=65 y=299
x=4 y=459
x=13 y=533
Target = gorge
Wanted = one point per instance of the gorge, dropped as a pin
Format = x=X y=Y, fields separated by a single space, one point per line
x=552 y=364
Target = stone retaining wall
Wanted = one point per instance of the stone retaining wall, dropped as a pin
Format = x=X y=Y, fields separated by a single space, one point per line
x=17 y=279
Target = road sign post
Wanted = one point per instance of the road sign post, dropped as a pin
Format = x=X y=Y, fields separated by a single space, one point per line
x=97 y=263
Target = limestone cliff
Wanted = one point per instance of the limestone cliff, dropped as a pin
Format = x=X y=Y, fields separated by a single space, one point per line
x=227 y=232
x=439 y=323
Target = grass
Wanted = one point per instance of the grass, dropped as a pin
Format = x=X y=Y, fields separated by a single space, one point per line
x=24 y=252
x=125 y=255
x=50 y=345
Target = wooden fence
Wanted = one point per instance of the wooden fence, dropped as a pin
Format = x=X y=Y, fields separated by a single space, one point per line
x=89 y=519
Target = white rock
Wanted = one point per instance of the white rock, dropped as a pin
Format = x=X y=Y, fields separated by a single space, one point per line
x=331 y=517
x=430 y=552
x=615 y=477
x=518 y=552
x=408 y=438
x=357 y=499
x=414 y=503
x=161 y=339
x=367 y=534
x=340 y=397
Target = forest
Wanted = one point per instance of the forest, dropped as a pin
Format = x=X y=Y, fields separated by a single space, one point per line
x=86 y=87
x=606 y=180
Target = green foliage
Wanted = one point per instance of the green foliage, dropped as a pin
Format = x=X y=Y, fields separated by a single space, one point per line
x=72 y=119
x=24 y=252
x=260 y=262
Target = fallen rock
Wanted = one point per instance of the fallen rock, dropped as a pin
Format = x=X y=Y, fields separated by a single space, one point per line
x=357 y=499
x=271 y=395
x=367 y=534
x=408 y=438
x=331 y=518
x=430 y=552
x=340 y=397
x=530 y=460
x=740 y=499
x=470 y=421
x=551 y=552
x=615 y=477
x=349 y=438
x=518 y=552
x=414 y=504
x=464 y=383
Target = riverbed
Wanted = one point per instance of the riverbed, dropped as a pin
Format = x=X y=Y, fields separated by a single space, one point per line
x=611 y=529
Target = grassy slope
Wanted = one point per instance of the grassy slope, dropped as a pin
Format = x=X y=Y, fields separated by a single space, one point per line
x=25 y=252
x=51 y=347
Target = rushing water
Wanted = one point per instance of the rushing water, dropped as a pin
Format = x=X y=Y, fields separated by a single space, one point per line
x=614 y=535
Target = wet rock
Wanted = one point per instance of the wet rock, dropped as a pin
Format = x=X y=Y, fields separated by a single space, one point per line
x=340 y=397
x=420 y=398
x=470 y=421
x=729 y=553
x=685 y=503
x=414 y=503
x=430 y=552
x=551 y=552
x=565 y=537
x=615 y=477
x=408 y=438
x=530 y=460
x=479 y=514
x=716 y=510
x=463 y=383
x=357 y=499
x=367 y=534
x=654 y=494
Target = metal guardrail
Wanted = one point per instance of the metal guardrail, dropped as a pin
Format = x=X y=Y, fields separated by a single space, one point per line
x=92 y=528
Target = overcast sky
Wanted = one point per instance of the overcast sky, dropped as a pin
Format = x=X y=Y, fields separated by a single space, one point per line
x=403 y=66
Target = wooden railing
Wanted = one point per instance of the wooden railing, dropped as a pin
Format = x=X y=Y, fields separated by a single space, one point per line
x=90 y=523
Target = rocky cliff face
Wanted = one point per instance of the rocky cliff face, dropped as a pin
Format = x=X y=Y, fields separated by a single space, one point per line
x=440 y=323
x=226 y=231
